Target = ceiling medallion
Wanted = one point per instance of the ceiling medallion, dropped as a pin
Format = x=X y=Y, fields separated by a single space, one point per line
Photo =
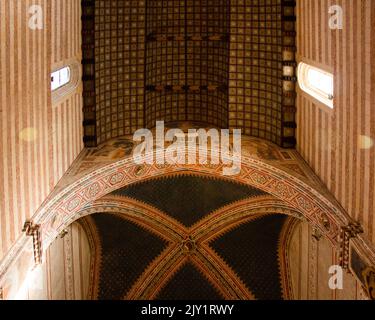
x=188 y=246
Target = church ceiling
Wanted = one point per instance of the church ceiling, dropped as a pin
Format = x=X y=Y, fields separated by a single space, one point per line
x=186 y=198
x=252 y=251
x=218 y=62
x=157 y=254
x=126 y=250
x=119 y=149
x=189 y=284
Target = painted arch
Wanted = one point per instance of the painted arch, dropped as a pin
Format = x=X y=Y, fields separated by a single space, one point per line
x=293 y=194
x=65 y=207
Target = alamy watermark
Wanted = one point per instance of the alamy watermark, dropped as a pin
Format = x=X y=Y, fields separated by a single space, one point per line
x=336 y=281
x=336 y=20
x=203 y=147
x=36 y=19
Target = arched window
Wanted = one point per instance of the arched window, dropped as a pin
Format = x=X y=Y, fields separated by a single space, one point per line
x=317 y=83
x=65 y=79
x=60 y=78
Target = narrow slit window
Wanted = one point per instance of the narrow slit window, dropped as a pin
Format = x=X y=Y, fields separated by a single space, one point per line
x=317 y=83
x=60 y=78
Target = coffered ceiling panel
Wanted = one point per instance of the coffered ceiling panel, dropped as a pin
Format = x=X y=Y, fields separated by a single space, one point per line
x=187 y=61
x=216 y=62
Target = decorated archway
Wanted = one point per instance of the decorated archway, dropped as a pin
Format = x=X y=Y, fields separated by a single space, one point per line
x=64 y=208
x=80 y=194
x=187 y=244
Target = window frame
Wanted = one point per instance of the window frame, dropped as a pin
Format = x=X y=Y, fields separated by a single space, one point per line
x=308 y=88
x=63 y=92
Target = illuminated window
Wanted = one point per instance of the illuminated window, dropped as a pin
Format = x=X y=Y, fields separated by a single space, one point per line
x=60 y=78
x=317 y=83
x=65 y=80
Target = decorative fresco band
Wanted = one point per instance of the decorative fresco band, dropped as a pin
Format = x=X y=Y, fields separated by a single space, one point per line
x=316 y=209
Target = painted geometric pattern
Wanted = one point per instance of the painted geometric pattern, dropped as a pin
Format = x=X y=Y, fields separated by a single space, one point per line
x=144 y=253
x=126 y=250
x=188 y=46
x=189 y=284
x=256 y=264
x=188 y=198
